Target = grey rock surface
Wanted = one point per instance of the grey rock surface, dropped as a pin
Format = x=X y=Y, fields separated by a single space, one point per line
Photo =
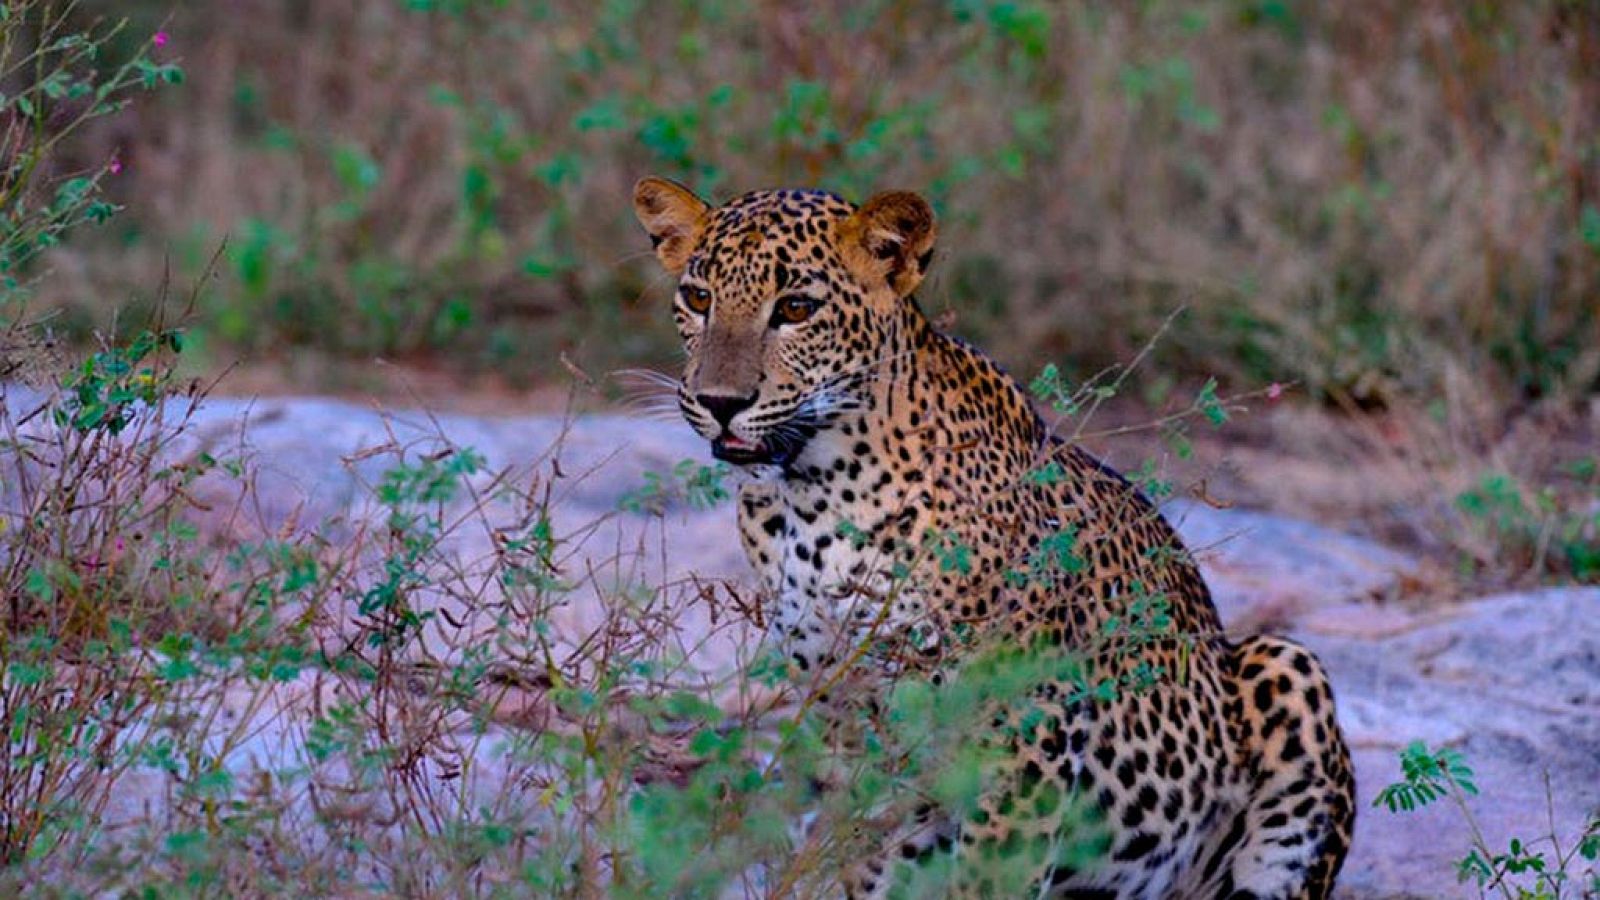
x=1513 y=680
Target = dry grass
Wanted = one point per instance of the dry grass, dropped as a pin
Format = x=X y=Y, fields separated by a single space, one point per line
x=204 y=694
x=1397 y=200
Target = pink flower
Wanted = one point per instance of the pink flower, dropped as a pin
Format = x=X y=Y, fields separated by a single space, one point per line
x=1274 y=391
x=115 y=166
x=160 y=39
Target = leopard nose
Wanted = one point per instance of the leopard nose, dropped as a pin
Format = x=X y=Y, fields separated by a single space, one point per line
x=722 y=407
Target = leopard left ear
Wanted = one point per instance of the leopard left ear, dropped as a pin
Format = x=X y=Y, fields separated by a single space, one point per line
x=890 y=238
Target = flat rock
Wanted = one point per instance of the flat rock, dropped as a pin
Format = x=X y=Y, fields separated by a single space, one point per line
x=314 y=457
x=1511 y=681
x=1270 y=570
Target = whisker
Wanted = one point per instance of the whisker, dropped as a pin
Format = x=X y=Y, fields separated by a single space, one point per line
x=648 y=401
x=646 y=383
x=657 y=413
x=646 y=375
x=659 y=416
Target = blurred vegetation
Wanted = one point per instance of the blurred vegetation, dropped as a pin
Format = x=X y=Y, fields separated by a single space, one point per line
x=1379 y=200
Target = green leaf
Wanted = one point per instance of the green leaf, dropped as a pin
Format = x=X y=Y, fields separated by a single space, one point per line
x=38 y=584
x=355 y=169
x=605 y=114
x=1589 y=227
x=1209 y=405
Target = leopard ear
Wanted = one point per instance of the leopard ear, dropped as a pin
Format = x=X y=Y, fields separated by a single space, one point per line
x=674 y=218
x=890 y=238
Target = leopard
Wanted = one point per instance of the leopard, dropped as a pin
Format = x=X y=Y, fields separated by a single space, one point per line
x=868 y=432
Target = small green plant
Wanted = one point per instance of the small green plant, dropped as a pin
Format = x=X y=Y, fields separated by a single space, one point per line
x=1550 y=530
x=1525 y=870
x=59 y=77
x=103 y=592
x=415 y=496
x=117 y=382
x=697 y=484
x=1428 y=775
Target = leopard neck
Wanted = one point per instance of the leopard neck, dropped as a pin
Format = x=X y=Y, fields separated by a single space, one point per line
x=951 y=407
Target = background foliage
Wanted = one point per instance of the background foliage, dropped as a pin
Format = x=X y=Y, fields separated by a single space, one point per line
x=1379 y=200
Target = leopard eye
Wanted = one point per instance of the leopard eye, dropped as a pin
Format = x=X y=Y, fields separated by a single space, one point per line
x=793 y=309
x=698 y=299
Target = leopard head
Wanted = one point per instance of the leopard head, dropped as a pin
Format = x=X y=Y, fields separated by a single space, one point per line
x=785 y=301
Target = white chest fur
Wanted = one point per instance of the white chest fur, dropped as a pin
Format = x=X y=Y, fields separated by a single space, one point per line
x=829 y=581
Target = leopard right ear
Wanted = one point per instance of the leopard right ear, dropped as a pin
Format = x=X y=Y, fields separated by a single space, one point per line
x=674 y=217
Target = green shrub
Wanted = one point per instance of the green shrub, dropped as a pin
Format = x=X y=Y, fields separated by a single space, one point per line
x=1544 y=868
x=1554 y=530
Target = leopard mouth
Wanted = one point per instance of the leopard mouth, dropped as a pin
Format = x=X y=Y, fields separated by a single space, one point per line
x=779 y=447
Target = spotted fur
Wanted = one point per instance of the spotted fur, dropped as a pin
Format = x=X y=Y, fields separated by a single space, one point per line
x=871 y=434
